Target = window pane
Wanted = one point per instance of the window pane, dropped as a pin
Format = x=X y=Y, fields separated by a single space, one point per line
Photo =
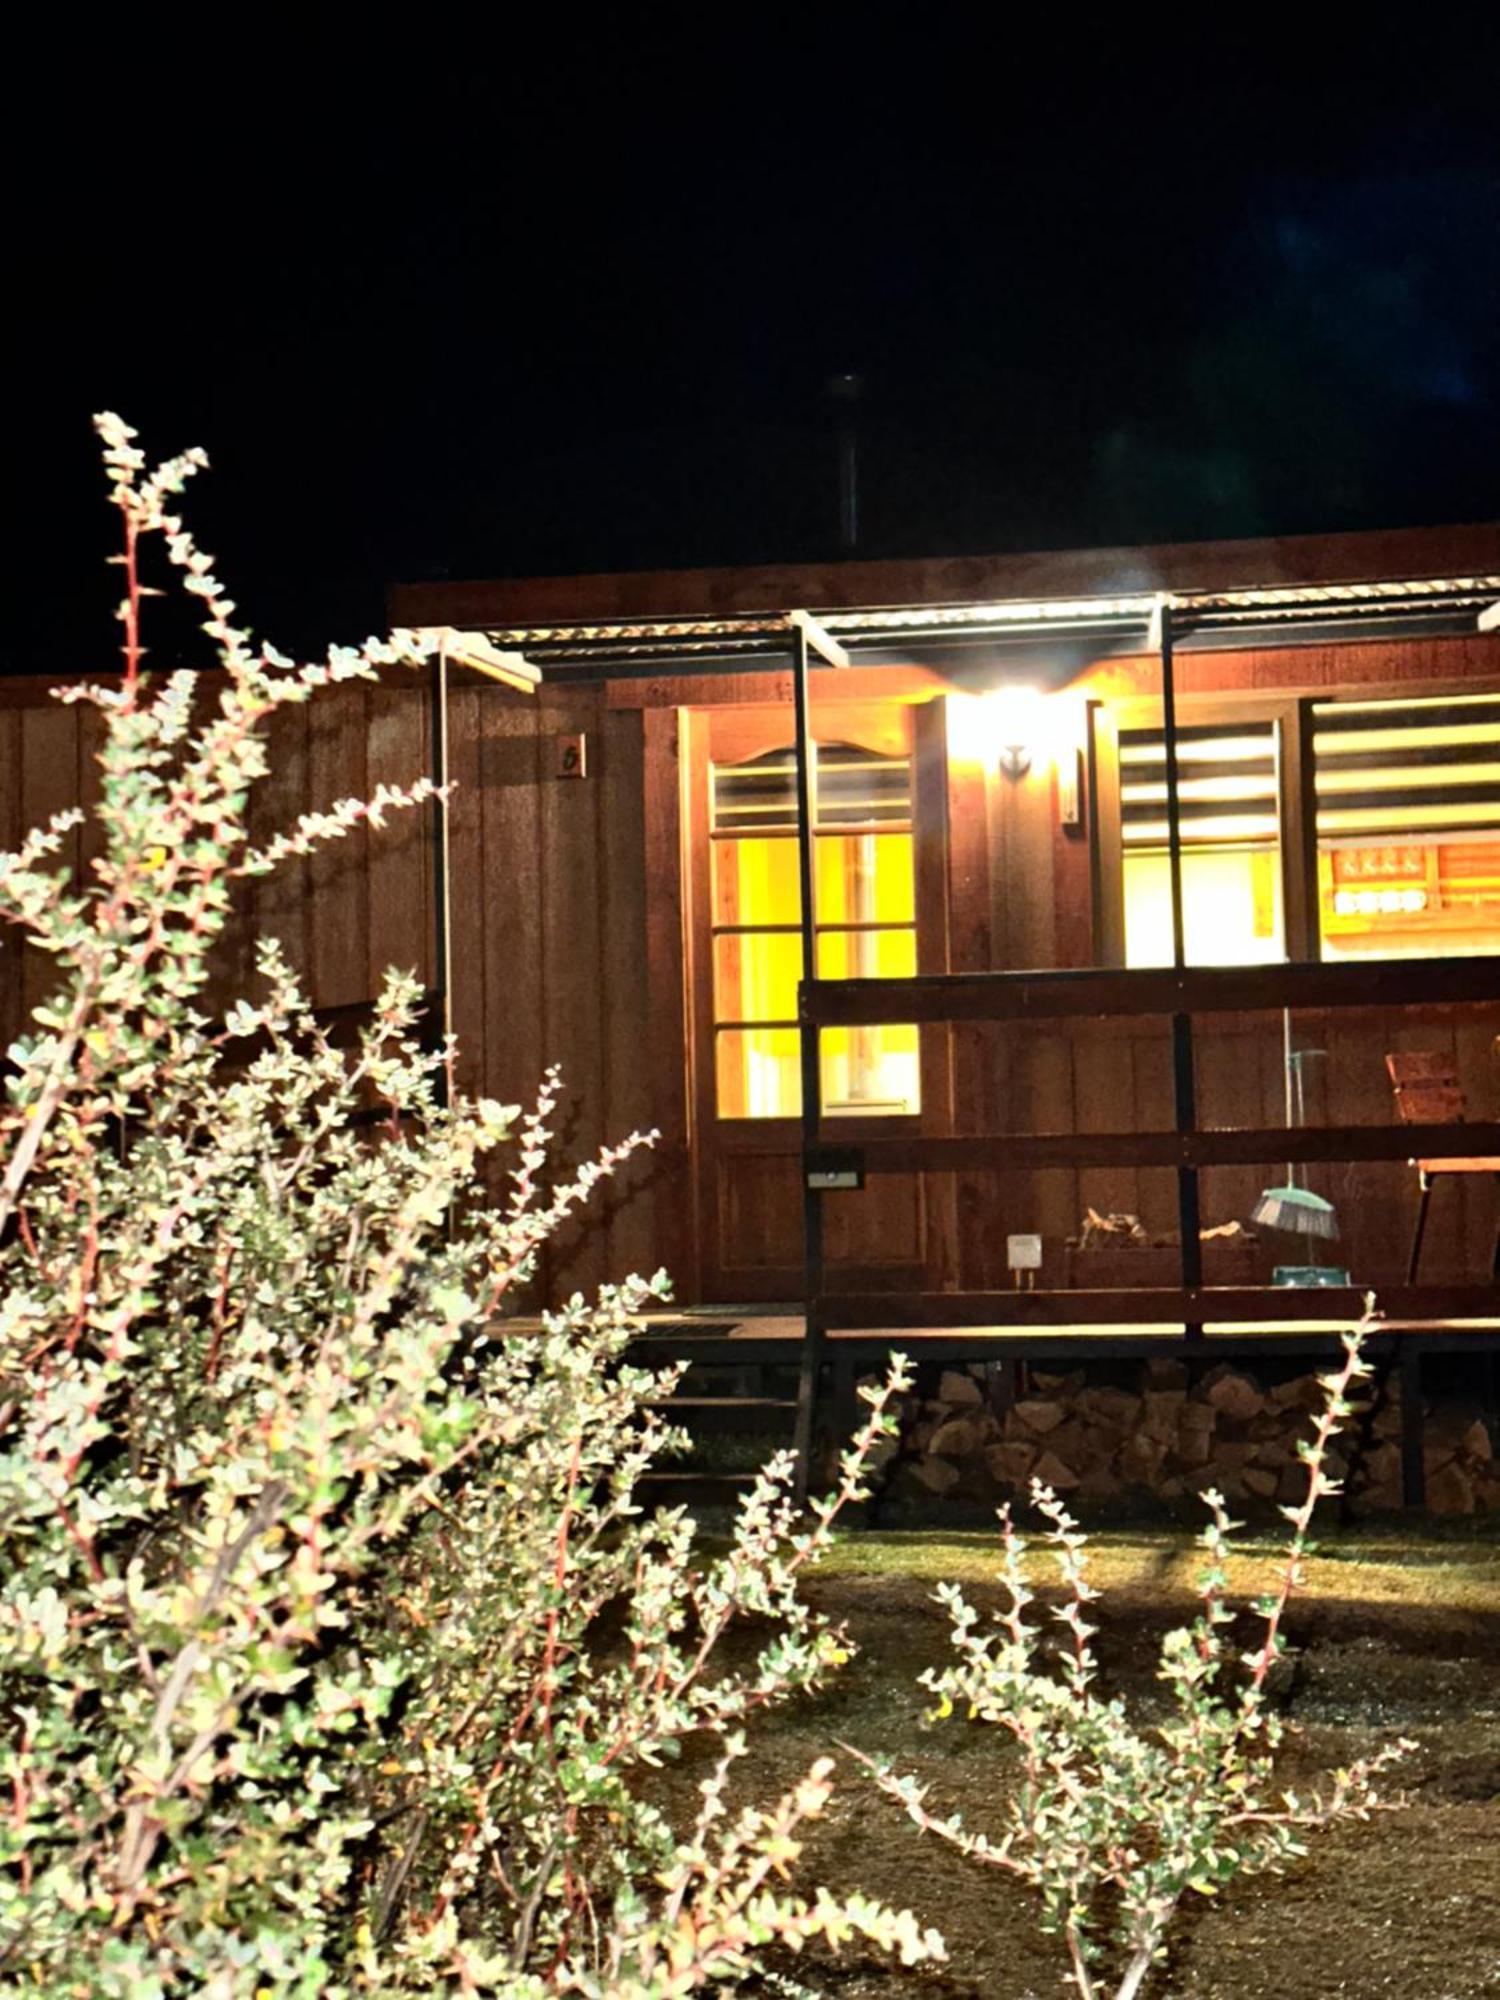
x=1231 y=844
x=758 y=1075
x=871 y=1070
x=865 y=878
x=1226 y=785
x=755 y=978
x=867 y=954
x=761 y=792
x=1416 y=899
x=855 y=786
x=866 y=1072
x=755 y=881
x=1231 y=906
x=1408 y=826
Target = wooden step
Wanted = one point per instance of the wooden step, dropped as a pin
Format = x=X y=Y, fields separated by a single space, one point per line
x=727 y=1413
x=687 y=1488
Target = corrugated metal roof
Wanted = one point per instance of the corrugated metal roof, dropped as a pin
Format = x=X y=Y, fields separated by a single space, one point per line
x=1200 y=618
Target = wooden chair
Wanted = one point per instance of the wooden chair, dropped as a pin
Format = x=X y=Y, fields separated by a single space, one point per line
x=1428 y=1093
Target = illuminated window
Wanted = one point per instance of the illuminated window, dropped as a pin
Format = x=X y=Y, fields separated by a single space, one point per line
x=1228 y=789
x=865 y=929
x=1408 y=830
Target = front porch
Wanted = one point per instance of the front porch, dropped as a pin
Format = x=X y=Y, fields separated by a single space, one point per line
x=953 y=1149
x=743 y=1365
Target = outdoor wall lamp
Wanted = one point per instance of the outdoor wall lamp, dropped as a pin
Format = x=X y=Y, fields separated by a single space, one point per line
x=1018 y=728
x=1008 y=729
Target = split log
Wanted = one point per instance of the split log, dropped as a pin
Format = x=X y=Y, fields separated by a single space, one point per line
x=1052 y=1472
x=959 y=1437
x=1450 y=1490
x=959 y=1389
x=1233 y=1394
x=1011 y=1464
x=1164 y=1373
x=1038 y=1416
x=938 y=1475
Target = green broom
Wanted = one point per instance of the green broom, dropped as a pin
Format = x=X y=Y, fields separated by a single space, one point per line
x=1291 y=1207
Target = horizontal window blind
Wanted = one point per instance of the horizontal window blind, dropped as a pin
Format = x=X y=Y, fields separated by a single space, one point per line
x=855 y=787
x=1425 y=768
x=1226 y=784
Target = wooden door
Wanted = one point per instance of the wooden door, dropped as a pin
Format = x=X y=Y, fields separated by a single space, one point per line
x=742 y=917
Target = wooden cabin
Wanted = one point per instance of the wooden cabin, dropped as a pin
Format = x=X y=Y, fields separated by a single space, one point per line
x=991 y=798
x=1083 y=834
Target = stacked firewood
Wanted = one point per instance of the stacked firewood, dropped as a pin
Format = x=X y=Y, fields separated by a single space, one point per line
x=1170 y=1433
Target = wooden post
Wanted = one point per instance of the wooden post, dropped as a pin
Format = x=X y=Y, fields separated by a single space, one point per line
x=812 y=1082
x=442 y=954
x=1184 y=1092
x=845 y=1413
x=1413 y=1425
x=1298 y=800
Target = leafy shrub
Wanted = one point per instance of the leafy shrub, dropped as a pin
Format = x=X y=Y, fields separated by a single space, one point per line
x=1114 y=1822
x=333 y=1638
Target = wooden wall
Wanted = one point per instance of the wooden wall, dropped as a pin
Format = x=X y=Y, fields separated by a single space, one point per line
x=568 y=947
x=1112 y=1077
x=549 y=916
x=1015 y=892
x=1019 y=896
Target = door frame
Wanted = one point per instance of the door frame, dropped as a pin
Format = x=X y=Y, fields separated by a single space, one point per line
x=740 y=731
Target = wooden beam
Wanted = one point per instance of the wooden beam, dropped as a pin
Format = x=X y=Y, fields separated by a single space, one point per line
x=1040 y=996
x=1005 y=1151
x=1142 y=1307
x=1070 y=1344
x=1297 y=783
x=473 y=650
x=818 y=640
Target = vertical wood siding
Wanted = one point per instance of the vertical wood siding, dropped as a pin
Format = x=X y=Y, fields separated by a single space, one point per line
x=549 y=908
x=567 y=947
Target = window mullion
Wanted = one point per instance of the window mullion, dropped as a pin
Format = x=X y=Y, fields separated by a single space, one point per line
x=1299 y=831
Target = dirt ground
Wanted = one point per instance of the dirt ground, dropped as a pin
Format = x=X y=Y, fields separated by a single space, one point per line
x=1393 y=1638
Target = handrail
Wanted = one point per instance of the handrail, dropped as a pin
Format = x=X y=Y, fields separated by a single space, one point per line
x=1205 y=989
x=1002 y=1152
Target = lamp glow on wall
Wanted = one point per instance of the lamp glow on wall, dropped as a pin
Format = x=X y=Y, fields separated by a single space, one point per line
x=1005 y=729
x=1016 y=730
x=1020 y=728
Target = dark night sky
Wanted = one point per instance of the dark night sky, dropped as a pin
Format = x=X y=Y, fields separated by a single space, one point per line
x=513 y=310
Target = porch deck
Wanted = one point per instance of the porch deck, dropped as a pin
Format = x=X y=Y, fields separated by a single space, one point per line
x=746 y=1349
x=751 y=1335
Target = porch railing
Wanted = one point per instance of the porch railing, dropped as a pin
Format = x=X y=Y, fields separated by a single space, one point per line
x=1179 y=994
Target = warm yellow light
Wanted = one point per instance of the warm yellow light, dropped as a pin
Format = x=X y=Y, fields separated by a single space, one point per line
x=1005 y=727
x=1209 y=750
x=1018 y=728
x=1231 y=907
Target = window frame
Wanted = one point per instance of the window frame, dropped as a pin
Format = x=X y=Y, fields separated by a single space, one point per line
x=1292 y=711
x=1291 y=716
x=736 y=732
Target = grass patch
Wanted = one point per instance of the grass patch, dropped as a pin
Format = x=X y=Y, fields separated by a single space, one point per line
x=1457 y=1568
